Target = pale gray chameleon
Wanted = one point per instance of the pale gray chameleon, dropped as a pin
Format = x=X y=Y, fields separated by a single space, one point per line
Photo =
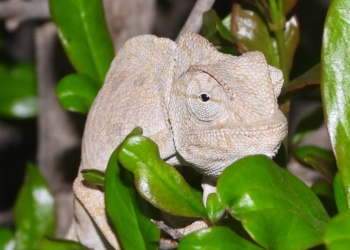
x=203 y=108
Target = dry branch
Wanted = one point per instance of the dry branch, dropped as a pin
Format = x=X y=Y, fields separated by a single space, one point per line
x=17 y=11
x=194 y=21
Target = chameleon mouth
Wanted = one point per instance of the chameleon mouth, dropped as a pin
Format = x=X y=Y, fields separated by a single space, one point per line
x=210 y=151
x=248 y=131
x=264 y=139
x=274 y=125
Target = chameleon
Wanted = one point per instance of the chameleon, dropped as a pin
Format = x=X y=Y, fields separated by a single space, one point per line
x=205 y=110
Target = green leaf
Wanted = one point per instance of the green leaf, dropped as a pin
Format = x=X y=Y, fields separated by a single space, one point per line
x=6 y=239
x=215 y=238
x=308 y=124
x=305 y=82
x=214 y=207
x=224 y=28
x=84 y=35
x=34 y=212
x=76 y=92
x=18 y=98
x=288 y=5
x=93 y=176
x=339 y=194
x=323 y=188
x=277 y=209
x=322 y=166
x=302 y=151
x=209 y=30
x=128 y=212
x=320 y=159
x=337 y=235
x=59 y=244
x=335 y=88
x=252 y=33
x=158 y=182
x=218 y=32
x=325 y=192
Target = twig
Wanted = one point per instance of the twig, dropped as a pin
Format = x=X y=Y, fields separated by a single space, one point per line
x=172 y=232
x=6 y=217
x=17 y=11
x=194 y=21
x=58 y=136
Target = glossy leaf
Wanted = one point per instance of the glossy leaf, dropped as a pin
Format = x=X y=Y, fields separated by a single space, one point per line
x=302 y=151
x=6 y=239
x=214 y=207
x=76 y=92
x=337 y=235
x=323 y=188
x=217 y=32
x=335 y=87
x=93 y=176
x=339 y=194
x=277 y=209
x=59 y=244
x=252 y=33
x=129 y=214
x=307 y=81
x=288 y=5
x=308 y=124
x=325 y=192
x=158 y=182
x=34 y=212
x=225 y=29
x=215 y=238
x=84 y=35
x=322 y=166
x=320 y=159
x=18 y=97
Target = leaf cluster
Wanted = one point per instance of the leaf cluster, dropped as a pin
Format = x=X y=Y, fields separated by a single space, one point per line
x=259 y=204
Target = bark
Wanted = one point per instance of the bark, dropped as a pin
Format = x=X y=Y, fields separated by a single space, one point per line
x=194 y=21
x=58 y=138
x=17 y=11
x=126 y=19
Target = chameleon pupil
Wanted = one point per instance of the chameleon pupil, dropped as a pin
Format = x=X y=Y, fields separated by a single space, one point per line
x=204 y=97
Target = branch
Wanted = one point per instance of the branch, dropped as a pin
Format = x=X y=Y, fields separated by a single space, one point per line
x=194 y=21
x=172 y=232
x=17 y=11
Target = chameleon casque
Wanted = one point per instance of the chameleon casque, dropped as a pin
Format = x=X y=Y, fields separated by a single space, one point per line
x=203 y=108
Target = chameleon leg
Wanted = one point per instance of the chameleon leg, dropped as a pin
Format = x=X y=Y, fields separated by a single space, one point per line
x=90 y=226
x=85 y=231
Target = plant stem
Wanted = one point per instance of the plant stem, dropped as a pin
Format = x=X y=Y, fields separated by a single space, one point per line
x=278 y=24
x=278 y=29
x=282 y=55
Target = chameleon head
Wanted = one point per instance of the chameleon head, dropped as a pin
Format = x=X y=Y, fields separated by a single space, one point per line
x=226 y=109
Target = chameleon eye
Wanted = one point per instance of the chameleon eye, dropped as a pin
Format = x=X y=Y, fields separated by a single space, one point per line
x=204 y=97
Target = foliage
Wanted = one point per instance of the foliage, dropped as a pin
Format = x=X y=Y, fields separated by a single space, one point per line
x=335 y=87
x=126 y=210
x=258 y=205
x=18 y=98
x=83 y=33
x=33 y=213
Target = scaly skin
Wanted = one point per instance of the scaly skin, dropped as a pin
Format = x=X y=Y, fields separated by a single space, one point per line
x=203 y=108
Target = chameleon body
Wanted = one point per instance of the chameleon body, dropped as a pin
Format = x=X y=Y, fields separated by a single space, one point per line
x=203 y=108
